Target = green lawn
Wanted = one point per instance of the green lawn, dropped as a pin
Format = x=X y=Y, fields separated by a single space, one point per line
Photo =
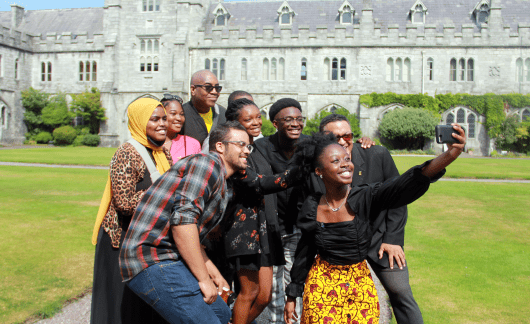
x=46 y=221
x=467 y=246
x=60 y=155
x=475 y=168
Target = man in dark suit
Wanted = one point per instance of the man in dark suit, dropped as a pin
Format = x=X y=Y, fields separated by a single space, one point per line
x=202 y=113
x=386 y=256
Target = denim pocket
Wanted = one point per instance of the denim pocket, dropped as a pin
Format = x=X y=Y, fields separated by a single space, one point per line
x=143 y=287
x=178 y=279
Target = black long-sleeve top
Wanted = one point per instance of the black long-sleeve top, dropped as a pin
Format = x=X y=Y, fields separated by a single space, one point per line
x=348 y=242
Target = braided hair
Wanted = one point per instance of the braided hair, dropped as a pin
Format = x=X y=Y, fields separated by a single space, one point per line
x=234 y=108
x=309 y=150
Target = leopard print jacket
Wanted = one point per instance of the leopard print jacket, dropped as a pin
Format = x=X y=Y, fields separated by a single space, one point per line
x=127 y=168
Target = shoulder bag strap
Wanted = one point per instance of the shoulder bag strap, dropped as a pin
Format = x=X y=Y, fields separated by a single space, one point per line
x=147 y=159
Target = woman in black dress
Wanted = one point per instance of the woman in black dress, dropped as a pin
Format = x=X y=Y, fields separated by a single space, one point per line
x=330 y=270
x=112 y=301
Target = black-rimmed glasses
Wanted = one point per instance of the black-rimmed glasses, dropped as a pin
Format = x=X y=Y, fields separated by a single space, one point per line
x=168 y=97
x=209 y=87
x=289 y=120
x=241 y=145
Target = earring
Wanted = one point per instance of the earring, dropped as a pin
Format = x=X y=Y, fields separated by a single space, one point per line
x=320 y=176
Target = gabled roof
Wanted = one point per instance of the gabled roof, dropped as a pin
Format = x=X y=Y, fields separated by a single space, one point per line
x=59 y=21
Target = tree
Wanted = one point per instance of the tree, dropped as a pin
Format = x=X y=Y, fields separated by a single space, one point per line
x=56 y=113
x=34 y=101
x=507 y=137
x=408 y=128
x=88 y=105
x=312 y=125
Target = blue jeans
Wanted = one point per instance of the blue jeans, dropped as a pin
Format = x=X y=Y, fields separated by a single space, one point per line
x=173 y=291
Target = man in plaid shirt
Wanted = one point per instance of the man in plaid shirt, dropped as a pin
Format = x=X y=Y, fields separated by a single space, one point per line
x=161 y=258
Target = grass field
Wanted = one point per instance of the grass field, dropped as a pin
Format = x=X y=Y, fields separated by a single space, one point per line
x=81 y=155
x=466 y=243
x=46 y=221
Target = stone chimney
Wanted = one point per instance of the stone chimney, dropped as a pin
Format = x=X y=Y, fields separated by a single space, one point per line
x=495 y=18
x=17 y=14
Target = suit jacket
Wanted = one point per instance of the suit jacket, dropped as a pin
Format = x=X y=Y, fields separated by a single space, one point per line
x=194 y=125
x=373 y=165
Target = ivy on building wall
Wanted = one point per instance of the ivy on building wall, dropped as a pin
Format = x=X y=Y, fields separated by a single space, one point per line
x=490 y=105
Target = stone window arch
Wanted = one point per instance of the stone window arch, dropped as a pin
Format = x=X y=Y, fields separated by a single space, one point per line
x=398 y=70
x=149 y=61
x=418 y=11
x=390 y=69
x=215 y=67
x=461 y=116
x=430 y=69
x=265 y=69
x=527 y=69
x=471 y=125
x=462 y=70
x=285 y=14
x=334 y=69
x=222 y=69
x=221 y=15
x=87 y=71
x=274 y=69
x=327 y=69
x=207 y=64
x=95 y=71
x=281 y=69
x=343 y=68
x=519 y=70
x=150 y=5
x=264 y=110
x=481 y=12
x=81 y=71
x=303 y=69
x=452 y=70
x=346 y=13
x=243 y=69
x=450 y=119
x=3 y=117
x=406 y=70
x=470 y=70
x=465 y=117
x=388 y=109
x=220 y=18
x=525 y=116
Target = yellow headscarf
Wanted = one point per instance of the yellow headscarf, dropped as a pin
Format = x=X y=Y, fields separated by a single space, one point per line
x=138 y=113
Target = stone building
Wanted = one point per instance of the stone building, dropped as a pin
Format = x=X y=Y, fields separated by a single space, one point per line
x=323 y=53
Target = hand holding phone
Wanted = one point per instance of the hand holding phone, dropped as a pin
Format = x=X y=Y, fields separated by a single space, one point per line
x=444 y=134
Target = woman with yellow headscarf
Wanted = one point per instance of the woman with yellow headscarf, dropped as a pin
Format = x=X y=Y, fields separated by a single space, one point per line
x=134 y=167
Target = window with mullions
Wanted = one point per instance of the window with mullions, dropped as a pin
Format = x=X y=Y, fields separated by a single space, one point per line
x=464 y=71
x=217 y=67
x=150 y=5
x=303 y=69
x=46 y=71
x=398 y=69
x=149 y=49
x=526 y=115
x=333 y=71
x=430 y=69
x=273 y=69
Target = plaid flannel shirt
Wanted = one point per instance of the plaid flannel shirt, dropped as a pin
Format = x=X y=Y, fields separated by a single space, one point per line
x=193 y=191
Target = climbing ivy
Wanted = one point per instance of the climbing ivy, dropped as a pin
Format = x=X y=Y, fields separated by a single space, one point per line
x=490 y=105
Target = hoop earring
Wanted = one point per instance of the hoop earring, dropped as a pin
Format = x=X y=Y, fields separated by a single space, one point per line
x=320 y=176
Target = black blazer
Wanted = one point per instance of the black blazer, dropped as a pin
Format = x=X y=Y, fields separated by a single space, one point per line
x=194 y=125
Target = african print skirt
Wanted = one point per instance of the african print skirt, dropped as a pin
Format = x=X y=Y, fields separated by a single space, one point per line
x=340 y=294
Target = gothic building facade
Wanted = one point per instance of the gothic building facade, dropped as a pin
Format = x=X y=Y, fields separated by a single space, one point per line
x=323 y=53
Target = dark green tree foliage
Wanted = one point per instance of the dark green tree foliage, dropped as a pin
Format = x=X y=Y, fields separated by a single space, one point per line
x=88 y=105
x=267 y=128
x=64 y=135
x=514 y=135
x=312 y=125
x=34 y=101
x=56 y=113
x=408 y=128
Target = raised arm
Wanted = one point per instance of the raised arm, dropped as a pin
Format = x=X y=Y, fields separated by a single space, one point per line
x=446 y=158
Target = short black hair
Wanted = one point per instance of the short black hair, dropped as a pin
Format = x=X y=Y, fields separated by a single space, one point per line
x=309 y=150
x=234 y=108
x=331 y=119
x=221 y=131
x=236 y=94
x=281 y=104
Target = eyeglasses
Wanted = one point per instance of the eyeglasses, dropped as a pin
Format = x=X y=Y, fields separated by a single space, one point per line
x=241 y=145
x=347 y=137
x=209 y=87
x=289 y=120
x=168 y=97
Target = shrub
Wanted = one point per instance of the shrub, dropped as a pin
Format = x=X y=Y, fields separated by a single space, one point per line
x=82 y=130
x=88 y=105
x=267 y=129
x=56 y=113
x=64 y=135
x=43 y=137
x=408 y=128
x=91 y=140
x=78 y=140
x=312 y=125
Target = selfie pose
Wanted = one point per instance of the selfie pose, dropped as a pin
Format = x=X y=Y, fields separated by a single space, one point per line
x=336 y=231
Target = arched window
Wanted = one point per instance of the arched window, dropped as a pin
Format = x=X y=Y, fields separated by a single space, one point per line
x=450 y=119
x=452 y=71
x=285 y=16
x=482 y=14
x=526 y=115
x=418 y=15
x=149 y=64
x=327 y=69
x=49 y=71
x=4 y=117
x=398 y=70
x=156 y=46
x=142 y=63
x=460 y=116
x=430 y=69
x=94 y=71
x=406 y=71
x=335 y=69
x=462 y=70
x=220 y=20
x=150 y=5
x=16 y=69
x=527 y=69
x=144 y=5
x=43 y=71
x=519 y=70
x=207 y=64
x=281 y=69
x=222 y=69
x=303 y=69
x=155 y=64
x=215 y=67
x=471 y=125
x=81 y=71
x=265 y=75
x=347 y=15
x=149 y=46
x=87 y=64
x=273 y=69
x=390 y=69
x=470 y=69
x=157 y=5
x=343 y=68
x=244 y=69
x=142 y=46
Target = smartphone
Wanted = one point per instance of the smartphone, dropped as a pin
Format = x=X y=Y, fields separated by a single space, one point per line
x=443 y=134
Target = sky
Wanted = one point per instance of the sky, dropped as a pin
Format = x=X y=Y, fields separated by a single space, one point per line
x=50 y=4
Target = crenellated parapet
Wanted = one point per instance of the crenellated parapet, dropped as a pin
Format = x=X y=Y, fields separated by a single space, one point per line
x=15 y=38
x=68 y=42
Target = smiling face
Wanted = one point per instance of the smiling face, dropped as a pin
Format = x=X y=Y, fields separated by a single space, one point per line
x=341 y=128
x=335 y=167
x=285 y=129
x=234 y=155
x=250 y=118
x=175 y=117
x=202 y=99
x=156 y=127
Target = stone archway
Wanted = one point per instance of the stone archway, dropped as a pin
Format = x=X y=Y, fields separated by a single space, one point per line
x=5 y=114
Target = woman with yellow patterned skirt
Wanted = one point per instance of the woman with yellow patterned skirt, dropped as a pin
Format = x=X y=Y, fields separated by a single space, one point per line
x=336 y=232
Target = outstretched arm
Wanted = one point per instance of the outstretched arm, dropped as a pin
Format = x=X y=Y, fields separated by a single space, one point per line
x=446 y=158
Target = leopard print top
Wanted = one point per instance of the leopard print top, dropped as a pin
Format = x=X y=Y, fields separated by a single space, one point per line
x=127 y=169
